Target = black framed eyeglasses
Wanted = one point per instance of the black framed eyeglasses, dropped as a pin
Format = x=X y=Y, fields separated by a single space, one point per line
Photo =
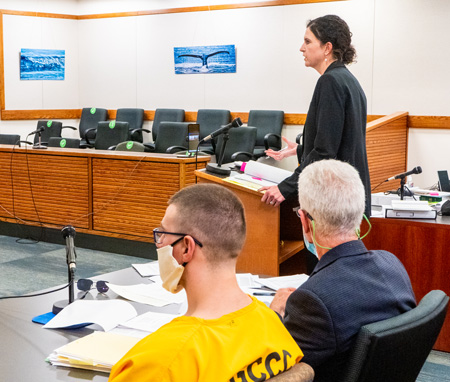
x=86 y=285
x=158 y=234
x=297 y=211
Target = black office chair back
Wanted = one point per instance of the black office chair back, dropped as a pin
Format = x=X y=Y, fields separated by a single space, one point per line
x=110 y=134
x=171 y=134
x=90 y=117
x=135 y=119
x=212 y=119
x=394 y=350
x=269 y=124
x=69 y=143
x=165 y=115
x=242 y=139
x=10 y=139
x=130 y=146
x=50 y=129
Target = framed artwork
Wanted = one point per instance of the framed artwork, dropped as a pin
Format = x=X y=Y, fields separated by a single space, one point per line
x=42 y=64
x=205 y=59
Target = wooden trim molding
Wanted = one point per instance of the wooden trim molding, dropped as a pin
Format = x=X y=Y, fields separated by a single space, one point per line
x=39 y=14
x=428 y=122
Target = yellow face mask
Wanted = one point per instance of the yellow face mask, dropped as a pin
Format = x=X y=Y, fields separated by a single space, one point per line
x=169 y=269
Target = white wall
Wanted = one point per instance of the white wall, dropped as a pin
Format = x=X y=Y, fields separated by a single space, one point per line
x=128 y=62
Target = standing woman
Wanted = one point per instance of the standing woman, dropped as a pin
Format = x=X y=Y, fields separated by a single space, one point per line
x=335 y=126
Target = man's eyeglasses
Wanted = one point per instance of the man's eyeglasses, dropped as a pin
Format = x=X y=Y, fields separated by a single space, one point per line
x=297 y=211
x=86 y=285
x=158 y=235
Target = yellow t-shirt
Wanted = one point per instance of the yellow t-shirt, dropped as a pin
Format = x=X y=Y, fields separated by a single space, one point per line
x=250 y=344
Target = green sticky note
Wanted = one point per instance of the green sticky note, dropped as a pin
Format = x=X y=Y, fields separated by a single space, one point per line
x=93 y=110
x=62 y=143
x=112 y=124
x=49 y=123
x=129 y=145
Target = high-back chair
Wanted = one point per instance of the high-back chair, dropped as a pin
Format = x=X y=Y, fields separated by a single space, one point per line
x=211 y=120
x=269 y=124
x=165 y=115
x=135 y=119
x=394 y=350
x=90 y=117
x=69 y=143
x=48 y=129
x=110 y=134
x=172 y=137
x=239 y=146
x=10 y=139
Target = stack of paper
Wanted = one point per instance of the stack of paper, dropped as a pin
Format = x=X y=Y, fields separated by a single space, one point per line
x=410 y=210
x=98 y=351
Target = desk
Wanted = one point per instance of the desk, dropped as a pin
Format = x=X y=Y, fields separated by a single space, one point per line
x=423 y=246
x=274 y=234
x=109 y=193
x=26 y=345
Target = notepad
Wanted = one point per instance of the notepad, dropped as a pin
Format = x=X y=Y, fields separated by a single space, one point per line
x=98 y=351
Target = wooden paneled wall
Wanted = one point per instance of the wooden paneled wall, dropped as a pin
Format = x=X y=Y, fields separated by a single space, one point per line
x=387 y=142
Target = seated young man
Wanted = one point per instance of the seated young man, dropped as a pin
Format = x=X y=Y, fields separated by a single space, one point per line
x=350 y=285
x=225 y=335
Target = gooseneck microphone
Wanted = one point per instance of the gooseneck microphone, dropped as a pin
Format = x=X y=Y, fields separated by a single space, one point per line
x=68 y=233
x=37 y=131
x=415 y=170
x=234 y=123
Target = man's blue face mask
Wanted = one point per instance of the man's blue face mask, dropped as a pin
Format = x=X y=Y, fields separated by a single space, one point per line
x=309 y=246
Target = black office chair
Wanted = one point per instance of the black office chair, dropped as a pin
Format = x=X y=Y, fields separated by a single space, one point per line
x=394 y=350
x=69 y=143
x=239 y=146
x=130 y=146
x=166 y=115
x=10 y=139
x=90 y=117
x=171 y=138
x=210 y=120
x=48 y=129
x=108 y=135
x=135 y=119
x=269 y=124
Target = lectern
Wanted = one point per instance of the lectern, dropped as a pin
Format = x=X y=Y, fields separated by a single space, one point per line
x=274 y=234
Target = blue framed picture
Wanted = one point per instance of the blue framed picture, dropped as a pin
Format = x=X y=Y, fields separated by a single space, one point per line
x=205 y=59
x=42 y=64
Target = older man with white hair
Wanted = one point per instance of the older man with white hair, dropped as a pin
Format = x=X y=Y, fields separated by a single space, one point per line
x=350 y=285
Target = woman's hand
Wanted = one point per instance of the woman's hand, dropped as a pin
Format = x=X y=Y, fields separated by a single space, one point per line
x=289 y=150
x=272 y=195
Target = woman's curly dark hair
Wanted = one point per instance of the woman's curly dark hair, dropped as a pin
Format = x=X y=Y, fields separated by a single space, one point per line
x=333 y=29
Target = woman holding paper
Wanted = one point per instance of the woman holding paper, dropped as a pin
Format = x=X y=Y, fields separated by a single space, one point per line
x=335 y=126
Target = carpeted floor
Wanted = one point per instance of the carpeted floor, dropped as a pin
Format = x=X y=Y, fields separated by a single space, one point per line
x=26 y=268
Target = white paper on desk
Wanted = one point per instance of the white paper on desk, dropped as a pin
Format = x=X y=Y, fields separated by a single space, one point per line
x=106 y=313
x=247 y=280
x=149 y=322
x=276 y=283
x=151 y=294
x=248 y=178
x=148 y=269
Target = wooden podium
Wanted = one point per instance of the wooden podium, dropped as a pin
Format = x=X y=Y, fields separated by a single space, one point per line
x=274 y=234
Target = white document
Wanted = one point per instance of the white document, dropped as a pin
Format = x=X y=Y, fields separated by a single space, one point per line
x=245 y=280
x=148 y=269
x=106 y=313
x=149 y=322
x=407 y=205
x=276 y=283
x=151 y=294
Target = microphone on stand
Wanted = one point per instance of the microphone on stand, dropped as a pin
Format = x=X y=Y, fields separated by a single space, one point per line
x=68 y=233
x=217 y=167
x=224 y=129
x=38 y=131
x=415 y=170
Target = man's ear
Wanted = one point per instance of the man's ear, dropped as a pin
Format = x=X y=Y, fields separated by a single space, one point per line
x=188 y=248
x=306 y=222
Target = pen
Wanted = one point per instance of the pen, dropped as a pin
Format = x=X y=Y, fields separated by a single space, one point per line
x=264 y=294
